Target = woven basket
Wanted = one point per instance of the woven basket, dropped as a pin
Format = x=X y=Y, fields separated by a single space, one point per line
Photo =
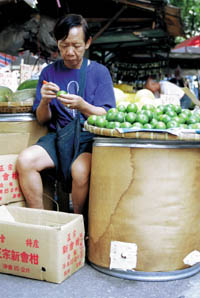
x=15 y=107
x=185 y=136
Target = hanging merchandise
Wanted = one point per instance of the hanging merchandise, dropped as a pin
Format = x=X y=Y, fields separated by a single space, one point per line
x=32 y=3
x=6 y=59
x=58 y=3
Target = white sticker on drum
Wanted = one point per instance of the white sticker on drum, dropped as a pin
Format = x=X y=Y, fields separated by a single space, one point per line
x=123 y=255
x=192 y=258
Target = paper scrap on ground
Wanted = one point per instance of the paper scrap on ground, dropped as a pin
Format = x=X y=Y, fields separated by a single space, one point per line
x=192 y=258
x=123 y=255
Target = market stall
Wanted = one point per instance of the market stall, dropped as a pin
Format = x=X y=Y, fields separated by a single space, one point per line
x=140 y=159
x=144 y=196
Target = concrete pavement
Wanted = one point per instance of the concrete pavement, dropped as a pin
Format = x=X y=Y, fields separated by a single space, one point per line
x=90 y=283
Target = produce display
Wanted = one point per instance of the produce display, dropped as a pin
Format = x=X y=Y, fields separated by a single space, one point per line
x=147 y=117
x=5 y=94
x=25 y=92
x=28 y=84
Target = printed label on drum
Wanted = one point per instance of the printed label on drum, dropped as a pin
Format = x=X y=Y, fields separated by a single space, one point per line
x=192 y=258
x=123 y=255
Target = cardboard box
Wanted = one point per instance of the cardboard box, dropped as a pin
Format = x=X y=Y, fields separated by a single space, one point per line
x=49 y=203
x=30 y=131
x=17 y=204
x=49 y=245
x=9 y=185
x=13 y=143
x=10 y=191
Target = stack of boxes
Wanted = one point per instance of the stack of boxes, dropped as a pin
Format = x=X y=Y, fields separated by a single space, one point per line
x=40 y=244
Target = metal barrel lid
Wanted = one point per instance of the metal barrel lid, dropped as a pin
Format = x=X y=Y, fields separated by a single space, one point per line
x=19 y=117
x=143 y=143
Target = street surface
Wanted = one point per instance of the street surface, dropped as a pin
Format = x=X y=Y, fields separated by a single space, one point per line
x=90 y=283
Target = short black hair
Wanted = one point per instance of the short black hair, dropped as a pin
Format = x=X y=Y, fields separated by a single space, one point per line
x=64 y=24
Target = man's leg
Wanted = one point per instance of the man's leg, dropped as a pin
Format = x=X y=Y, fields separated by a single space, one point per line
x=29 y=164
x=80 y=181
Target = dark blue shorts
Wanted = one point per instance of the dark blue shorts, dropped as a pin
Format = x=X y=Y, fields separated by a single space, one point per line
x=48 y=142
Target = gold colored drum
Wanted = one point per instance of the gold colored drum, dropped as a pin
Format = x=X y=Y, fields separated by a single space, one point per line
x=146 y=193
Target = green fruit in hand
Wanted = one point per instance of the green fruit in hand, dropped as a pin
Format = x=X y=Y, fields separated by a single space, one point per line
x=61 y=92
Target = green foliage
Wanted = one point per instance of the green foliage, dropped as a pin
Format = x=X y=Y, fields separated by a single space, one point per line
x=190 y=11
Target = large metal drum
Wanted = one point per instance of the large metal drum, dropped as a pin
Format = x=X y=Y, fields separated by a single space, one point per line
x=144 y=204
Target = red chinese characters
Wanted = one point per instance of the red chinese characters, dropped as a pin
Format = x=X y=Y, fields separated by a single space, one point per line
x=32 y=243
x=2 y=238
x=23 y=257
x=20 y=257
x=74 y=250
x=9 y=187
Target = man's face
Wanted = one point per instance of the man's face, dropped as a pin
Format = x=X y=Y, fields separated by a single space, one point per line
x=73 y=48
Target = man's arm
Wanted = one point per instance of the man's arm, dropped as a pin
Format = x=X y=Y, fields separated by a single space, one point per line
x=73 y=101
x=48 y=92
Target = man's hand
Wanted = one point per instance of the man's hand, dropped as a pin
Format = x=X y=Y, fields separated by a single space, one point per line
x=49 y=91
x=72 y=101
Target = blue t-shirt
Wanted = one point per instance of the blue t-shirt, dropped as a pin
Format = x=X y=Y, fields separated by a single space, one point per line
x=98 y=89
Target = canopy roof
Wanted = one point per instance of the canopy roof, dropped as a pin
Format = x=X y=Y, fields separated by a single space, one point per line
x=191 y=45
x=120 y=28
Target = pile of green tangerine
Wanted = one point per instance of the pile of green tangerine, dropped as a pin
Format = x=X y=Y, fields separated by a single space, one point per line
x=148 y=117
